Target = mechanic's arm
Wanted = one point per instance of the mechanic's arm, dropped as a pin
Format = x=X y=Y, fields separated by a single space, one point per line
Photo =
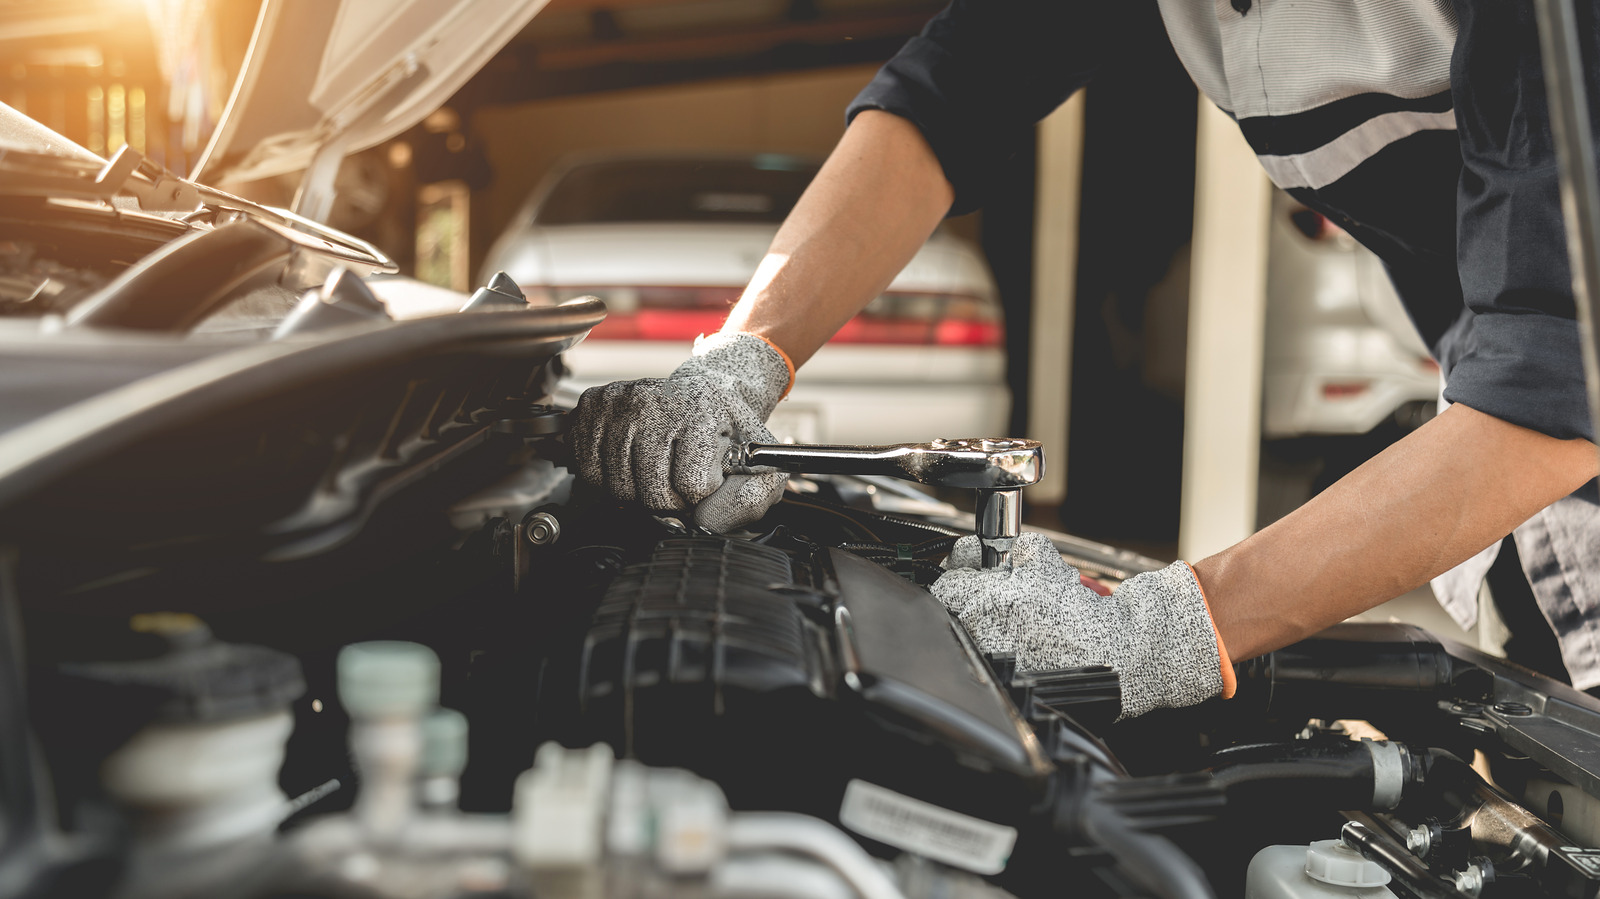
x=662 y=442
x=925 y=136
x=876 y=200
x=1456 y=485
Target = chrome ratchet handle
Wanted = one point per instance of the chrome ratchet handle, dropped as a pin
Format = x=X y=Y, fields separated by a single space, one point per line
x=997 y=468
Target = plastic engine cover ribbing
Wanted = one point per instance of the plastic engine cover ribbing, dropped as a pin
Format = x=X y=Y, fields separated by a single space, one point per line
x=785 y=674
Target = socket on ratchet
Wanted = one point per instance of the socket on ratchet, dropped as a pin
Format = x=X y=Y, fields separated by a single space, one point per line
x=997 y=468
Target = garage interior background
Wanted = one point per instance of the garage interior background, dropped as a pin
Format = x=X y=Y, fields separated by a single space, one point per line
x=1101 y=264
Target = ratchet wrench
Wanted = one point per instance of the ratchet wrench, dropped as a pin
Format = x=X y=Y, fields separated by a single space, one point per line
x=997 y=468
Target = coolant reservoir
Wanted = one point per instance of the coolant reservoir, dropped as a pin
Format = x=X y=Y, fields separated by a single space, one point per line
x=1327 y=869
x=204 y=771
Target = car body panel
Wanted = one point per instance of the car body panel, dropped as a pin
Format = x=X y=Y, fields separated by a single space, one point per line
x=355 y=71
x=1341 y=355
x=848 y=392
x=18 y=132
x=845 y=394
x=691 y=254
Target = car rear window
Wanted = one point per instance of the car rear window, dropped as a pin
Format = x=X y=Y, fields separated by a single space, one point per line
x=760 y=189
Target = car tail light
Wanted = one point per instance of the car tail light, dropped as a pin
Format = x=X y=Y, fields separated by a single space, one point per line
x=1343 y=390
x=895 y=318
x=658 y=313
x=1313 y=224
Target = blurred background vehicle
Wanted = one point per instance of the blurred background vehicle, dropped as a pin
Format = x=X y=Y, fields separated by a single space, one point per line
x=1345 y=373
x=669 y=242
x=1342 y=357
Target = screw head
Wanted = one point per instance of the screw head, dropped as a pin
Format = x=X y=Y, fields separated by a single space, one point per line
x=1419 y=840
x=1513 y=709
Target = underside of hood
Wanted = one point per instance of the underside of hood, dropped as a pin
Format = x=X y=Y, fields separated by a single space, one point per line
x=356 y=72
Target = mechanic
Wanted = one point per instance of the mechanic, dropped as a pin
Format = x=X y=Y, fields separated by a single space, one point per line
x=1419 y=126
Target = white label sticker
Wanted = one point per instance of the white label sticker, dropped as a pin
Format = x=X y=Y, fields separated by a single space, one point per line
x=925 y=829
x=1588 y=860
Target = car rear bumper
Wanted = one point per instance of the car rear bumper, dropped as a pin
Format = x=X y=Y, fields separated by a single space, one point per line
x=847 y=394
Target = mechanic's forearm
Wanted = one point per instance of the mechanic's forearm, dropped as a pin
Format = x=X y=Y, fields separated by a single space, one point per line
x=1431 y=501
x=876 y=200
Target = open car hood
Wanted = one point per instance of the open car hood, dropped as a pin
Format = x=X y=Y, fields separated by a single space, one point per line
x=20 y=134
x=354 y=71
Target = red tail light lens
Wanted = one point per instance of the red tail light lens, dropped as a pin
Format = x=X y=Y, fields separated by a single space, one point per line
x=658 y=313
x=895 y=319
x=1313 y=224
x=1334 y=390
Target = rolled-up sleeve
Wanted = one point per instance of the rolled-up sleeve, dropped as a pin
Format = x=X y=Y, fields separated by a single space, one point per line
x=1523 y=360
x=984 y=71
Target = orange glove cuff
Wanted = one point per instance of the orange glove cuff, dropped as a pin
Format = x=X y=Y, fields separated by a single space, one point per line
x=786 y=360
x=1230 y=681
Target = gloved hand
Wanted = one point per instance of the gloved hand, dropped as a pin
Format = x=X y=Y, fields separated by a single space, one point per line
x=1155 y=629
x=662 y=442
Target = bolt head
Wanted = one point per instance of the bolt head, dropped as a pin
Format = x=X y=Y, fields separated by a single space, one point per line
x=1469 y=880
x=1514 y=709
x=542 y=529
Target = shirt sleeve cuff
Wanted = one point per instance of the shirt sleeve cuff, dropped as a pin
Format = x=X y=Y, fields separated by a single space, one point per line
x=1526 y=369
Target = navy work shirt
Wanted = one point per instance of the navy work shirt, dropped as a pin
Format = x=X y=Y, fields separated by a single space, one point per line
x=1419 y=126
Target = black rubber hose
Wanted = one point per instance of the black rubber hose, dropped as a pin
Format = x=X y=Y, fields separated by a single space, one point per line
x=1151 y=861
x=1331 y=775
x=1323 y=776
x=1356 y=671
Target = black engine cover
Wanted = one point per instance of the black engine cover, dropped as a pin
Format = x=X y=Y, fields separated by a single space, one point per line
x=784 y=674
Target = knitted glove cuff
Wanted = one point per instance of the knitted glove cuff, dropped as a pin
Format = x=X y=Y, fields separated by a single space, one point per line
x=1179 y=661
x=744 y=365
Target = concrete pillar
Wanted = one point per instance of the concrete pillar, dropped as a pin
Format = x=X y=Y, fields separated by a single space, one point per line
x=1055 y=269
x=1227 y=309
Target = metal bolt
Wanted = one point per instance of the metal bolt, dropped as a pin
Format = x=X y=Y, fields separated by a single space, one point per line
x=542 y=529
x=1469 y=880
x=1419 y=840
x=1513 y=709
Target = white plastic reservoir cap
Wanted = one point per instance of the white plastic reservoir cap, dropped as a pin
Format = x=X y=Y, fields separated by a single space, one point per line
x=388 y=679
x=1332 y=862
x=444 y=743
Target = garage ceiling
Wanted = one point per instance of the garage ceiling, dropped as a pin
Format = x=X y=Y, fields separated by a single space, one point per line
x=583 y=46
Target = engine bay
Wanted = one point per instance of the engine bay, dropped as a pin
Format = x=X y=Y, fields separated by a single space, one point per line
x=316 y=609
x=374 y=641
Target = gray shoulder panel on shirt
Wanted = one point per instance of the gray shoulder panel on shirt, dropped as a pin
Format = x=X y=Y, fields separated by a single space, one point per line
x=1282 y=58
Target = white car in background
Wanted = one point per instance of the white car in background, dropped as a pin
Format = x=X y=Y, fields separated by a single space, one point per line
x=1342 y=357
x=669 y=242
x=1345 y=373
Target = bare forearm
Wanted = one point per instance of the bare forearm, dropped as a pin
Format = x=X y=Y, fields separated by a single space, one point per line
x=876 y=200
x=1455 y=486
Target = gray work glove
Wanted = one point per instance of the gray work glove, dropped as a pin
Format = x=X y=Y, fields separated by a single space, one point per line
x=1155 y=629
x=662 y=441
